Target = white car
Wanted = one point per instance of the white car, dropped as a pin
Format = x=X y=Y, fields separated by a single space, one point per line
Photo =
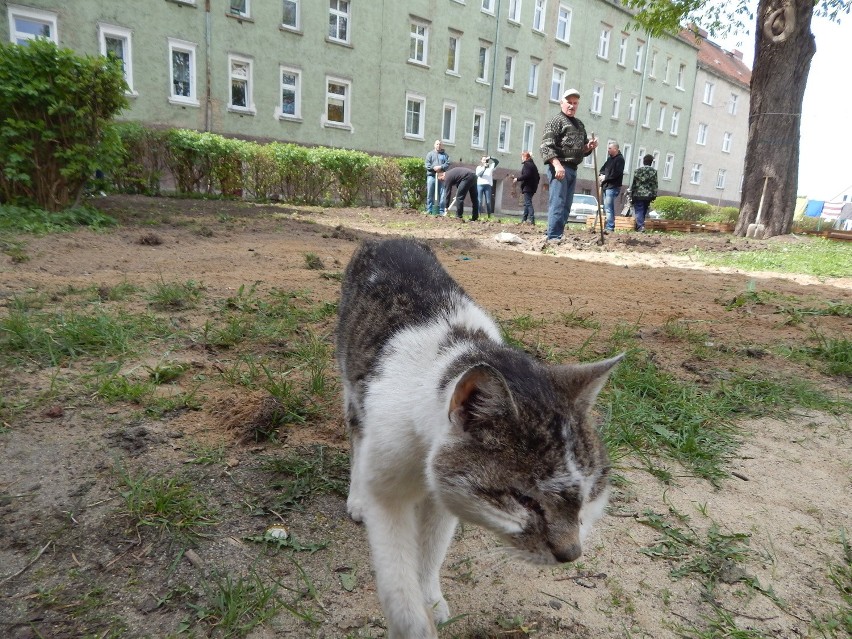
x=582 y=207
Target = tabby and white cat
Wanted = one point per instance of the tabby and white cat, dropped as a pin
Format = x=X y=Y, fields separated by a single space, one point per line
x=448 y=422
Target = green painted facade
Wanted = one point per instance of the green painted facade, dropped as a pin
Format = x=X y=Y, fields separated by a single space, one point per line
x=375 y=67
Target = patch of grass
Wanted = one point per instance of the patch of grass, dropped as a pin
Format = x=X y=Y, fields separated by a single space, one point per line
x=721 y=625
x=174 y=296
x=579 y=319
x=16 y=250
x=811 y=256
x=838 y=623
x=166 y=372
x=206 y=454
x=299 y=475
x=40 y=222
x=313 y=262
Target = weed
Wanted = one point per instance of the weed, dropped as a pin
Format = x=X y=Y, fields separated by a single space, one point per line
x=234 y=606
x=174 y=296
x=306 y=473
x=313 y=262
x=166 y=372
x=206 y=455
x=288 y=541
x=838 y=623
x=579 y=319
x=15 y=250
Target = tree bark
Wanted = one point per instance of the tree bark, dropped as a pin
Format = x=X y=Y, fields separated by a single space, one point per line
x=782 y=61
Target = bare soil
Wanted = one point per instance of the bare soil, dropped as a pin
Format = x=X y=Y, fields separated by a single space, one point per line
x=72 y=565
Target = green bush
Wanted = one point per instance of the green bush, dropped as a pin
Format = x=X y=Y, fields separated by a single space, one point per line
x=413 y=182
x=722 y=214
x=679 y=208
x=55 y=111
x=143 y=159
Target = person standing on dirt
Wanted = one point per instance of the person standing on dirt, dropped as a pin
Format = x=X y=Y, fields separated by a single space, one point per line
x=464 y=180
x=528 y=180
x=564 y=144
x=611 y=177
x=437 y=161
x=643 y=191
x=485 y=183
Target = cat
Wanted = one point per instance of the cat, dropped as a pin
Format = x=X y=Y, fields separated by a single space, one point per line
x=448 y=423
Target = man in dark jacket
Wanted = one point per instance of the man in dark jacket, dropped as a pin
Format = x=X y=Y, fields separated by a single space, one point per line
x=611 y=177
x=529 y=185
x=464 y=179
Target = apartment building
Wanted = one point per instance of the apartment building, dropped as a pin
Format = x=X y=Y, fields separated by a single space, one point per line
x=391 y=76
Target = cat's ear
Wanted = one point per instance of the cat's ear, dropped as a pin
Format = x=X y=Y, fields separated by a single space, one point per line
x=480 y=394
x=582 y=382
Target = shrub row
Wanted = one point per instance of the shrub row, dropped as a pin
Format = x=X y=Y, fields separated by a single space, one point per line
x=679 y=208
x=212 y=164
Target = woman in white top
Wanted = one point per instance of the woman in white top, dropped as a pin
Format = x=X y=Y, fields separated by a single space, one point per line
x=484 y=183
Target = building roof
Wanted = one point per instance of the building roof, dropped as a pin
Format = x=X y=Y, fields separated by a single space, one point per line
x=713 y=58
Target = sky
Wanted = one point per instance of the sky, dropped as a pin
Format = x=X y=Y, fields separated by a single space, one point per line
x=825 y=168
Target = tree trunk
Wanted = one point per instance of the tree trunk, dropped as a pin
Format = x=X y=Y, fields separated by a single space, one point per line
x=784 y=47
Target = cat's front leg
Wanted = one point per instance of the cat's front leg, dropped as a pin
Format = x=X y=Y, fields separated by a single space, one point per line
x=436 y=527
x=392 y=531
x=355 y=500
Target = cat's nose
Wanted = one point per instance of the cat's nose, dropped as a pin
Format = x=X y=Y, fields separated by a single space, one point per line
x=567 y=553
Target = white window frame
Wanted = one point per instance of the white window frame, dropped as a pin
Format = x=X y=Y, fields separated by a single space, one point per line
x=528 y=140
x=539 y=15
x=419 y=41
x=709 y=90
x=646 y=121
x=588 y=161
x=249 y=82
x=596 y=106
x=343 y=19
x=532 y=81
x=296 y=88
x=640 y=56
x=419 y=101
x=675 y=122
x=661 y=122
x=631 y=109
x=191 y=49
x=346 y=100
x=727 y=139
x=47 y=18
x=453 y=36
x=449 y=136
x=242 y=14
x=695 y=174
x=514 y=11
x=504 y=133
x=478 y=114
x=640 y=157
x=652 y=72
x=557 y=83
x=488 y=7
x=721 y=178
x=297 y=15
x=668 y=166
x=627 y=152
x=668 y=69
x=622 y=50
x=656 y=162
x=732 y=104
x=484 y=62
x=616 y=105
x=119 y=33
x=681 y=76
x=564 y=18
x=509 y=72
x=703 y=128
x=603 y=43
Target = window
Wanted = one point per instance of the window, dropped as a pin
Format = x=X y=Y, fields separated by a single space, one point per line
x=709 y=88
x=631 y=109
x=640 y=53
x=656 y=161
x=182 y=85
x=338 y=94
x=639 y=156
x=726 y=142
x=538 y=14
x=503 y=134
x=515 y=10
x=588 y=160
x=666 y=71
x=240 y=8
x=415 y=115
x=240 y=75
x=529 y=136
x=338 y=21
x=597 y=99
x=702 y=133
x=453 y=53
x=563 y=23
x=627 y=151
x=695 y=175
x=477 y=133
x=509 y=75
x=488 y=6
x=448 y=125
x=732 y=105
x=646 y=121
x=652 y=72
x=557 y=84
x=532 y=85
x=484 y=61
x=28 y=24
x=616 y=104
x=291 y=19
x=291 y=93
x=115 y=41
x=662 y=121
x=603 y=43
x=418 y=46
x=681 y=75
x=675 y=121
x=720 y=178
x=622 y=50
x=668 y=167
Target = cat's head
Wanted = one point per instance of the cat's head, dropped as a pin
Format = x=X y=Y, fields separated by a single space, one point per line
x=523 y=457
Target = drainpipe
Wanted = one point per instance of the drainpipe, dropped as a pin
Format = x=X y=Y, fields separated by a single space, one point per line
x=493 y=80
x=635 y=159
x=208 y=98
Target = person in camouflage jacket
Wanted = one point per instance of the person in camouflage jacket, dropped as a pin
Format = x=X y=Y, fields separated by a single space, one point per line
x=643 y=191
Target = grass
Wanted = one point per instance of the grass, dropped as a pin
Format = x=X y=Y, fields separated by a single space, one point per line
x=838 y=623
x=303 y=474
x=819 y=257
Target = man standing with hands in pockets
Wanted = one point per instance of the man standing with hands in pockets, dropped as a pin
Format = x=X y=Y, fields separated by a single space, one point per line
x=564 y=144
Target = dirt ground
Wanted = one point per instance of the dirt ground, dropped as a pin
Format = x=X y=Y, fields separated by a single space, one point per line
x=62 y=537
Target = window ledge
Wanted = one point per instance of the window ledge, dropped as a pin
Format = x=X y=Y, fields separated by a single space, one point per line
x=289 y=29
x=242 y=110
x=184 y=3
x=289 y=118
x=337 y=125
x=239 y=18
x=481 y=81
x=184 y=102
x=341 y=43
x=455 y=74
x=409 y=136
x=418 y=63
x=508 y=89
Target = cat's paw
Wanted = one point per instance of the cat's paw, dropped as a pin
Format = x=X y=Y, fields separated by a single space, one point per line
x=440 y=610
x=355 y=509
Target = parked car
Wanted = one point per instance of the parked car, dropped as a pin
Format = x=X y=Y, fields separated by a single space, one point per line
x=582 y=207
